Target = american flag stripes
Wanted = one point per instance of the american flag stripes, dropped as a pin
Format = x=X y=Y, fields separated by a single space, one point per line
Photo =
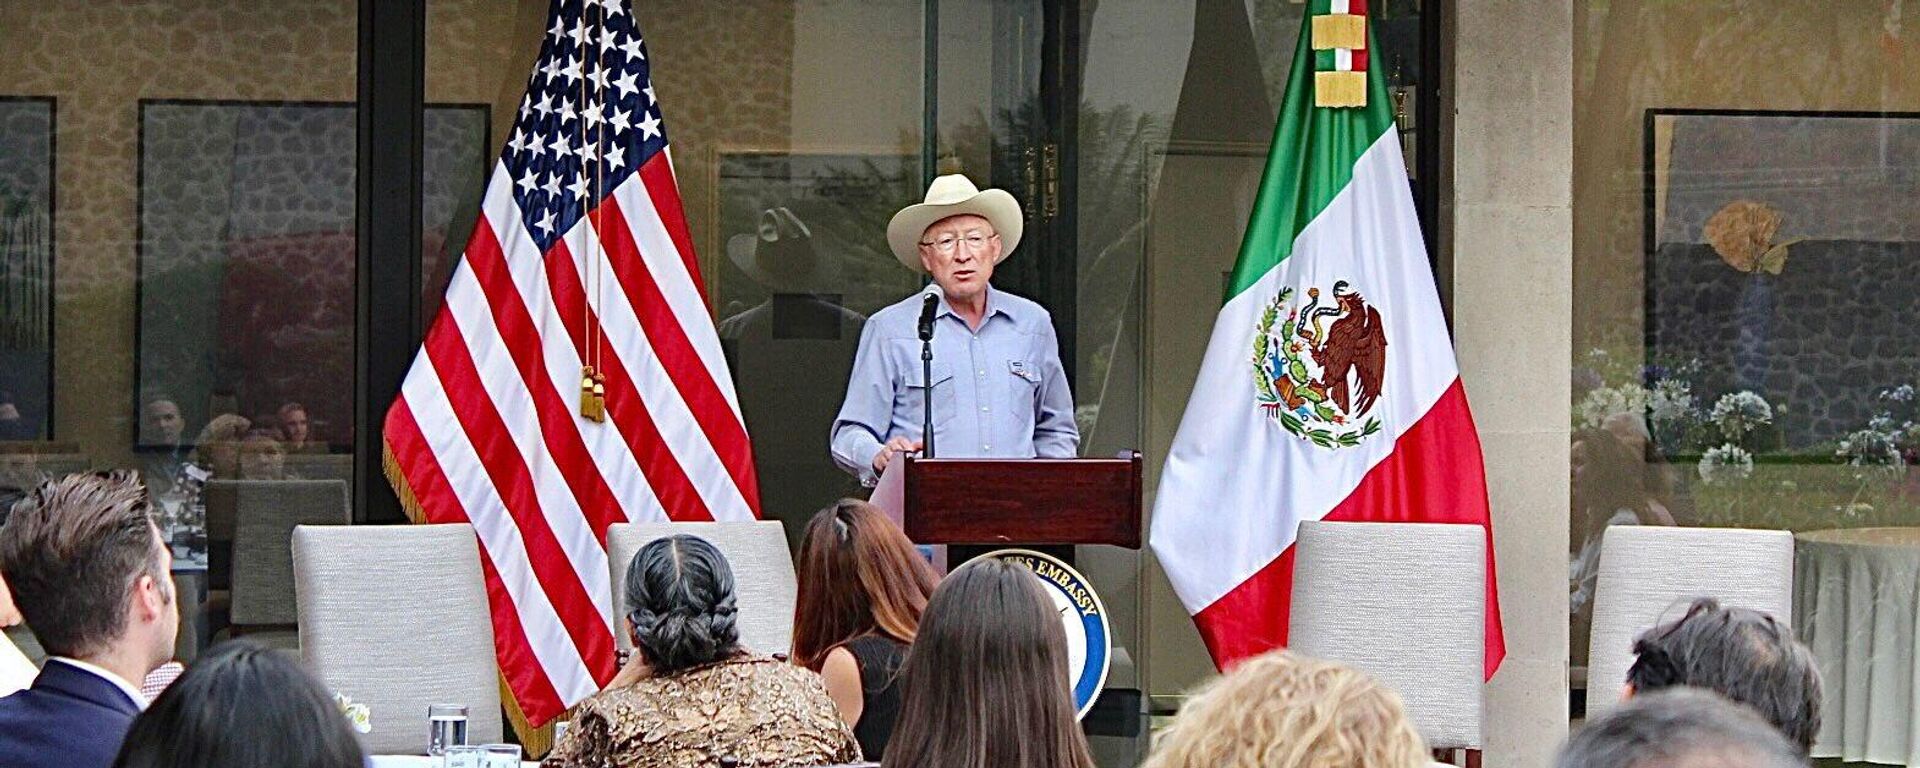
x=581 y=256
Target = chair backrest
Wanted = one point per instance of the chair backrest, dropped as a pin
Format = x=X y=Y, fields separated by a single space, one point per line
x=1649 y=573
x=763 y=578
x=396 y=617
x=1405 y=603
x=319 y=466
x=266 y=513
x=57 y=465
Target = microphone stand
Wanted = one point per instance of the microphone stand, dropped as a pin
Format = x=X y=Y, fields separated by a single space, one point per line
x=926 y=374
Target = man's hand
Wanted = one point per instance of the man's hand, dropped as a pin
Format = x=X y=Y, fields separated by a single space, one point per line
x=896 y=445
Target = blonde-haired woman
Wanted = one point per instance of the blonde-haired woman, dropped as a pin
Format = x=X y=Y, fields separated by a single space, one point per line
x=1284 y=710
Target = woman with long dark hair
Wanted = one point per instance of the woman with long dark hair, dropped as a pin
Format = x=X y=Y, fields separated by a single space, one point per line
x=986 y=684
x=862 y=590
x=692 y=697
x=242 y=705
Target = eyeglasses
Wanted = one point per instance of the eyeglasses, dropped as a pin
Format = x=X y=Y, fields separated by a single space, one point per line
x=975 y=241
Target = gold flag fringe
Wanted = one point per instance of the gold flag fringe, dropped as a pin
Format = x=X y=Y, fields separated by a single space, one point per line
x=1339 y=30
x=537 y=741
x=1339 y=89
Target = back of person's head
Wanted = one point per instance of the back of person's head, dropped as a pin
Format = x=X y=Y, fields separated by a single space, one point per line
x=82 y=556
x=1284 y=710
x=859 y=575
x=986 y=683
x=1679 y=728
x=680 y=601
x=1741 y=654
x=240 y=705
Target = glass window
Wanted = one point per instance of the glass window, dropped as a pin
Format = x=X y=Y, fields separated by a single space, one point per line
x=1744 y=306
x=177 y=240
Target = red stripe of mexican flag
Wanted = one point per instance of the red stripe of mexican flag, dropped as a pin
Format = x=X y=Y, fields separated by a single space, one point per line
x=1329 y=389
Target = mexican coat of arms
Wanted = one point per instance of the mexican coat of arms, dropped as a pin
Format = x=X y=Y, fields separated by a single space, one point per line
x=1318 y=368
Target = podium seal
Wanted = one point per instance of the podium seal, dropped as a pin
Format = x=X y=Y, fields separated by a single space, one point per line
x=1082 y=615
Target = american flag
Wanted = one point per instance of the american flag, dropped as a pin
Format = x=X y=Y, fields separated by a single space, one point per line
x=581 y=256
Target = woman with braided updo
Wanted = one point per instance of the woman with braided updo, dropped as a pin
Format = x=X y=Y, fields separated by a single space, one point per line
x=691 y=696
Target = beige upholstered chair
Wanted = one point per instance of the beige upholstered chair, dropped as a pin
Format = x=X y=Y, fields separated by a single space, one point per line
x=319 y=466
x=763 y=576
x=1648 y=574
x=1405 y=603
x=267 y=511
x=396 y=617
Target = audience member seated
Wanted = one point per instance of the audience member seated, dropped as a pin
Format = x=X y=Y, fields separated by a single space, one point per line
x=1612 y=484
x=862 y=590
x=691 y=697
x=1679 y=728
x=296 y=432
x=13 y=424
x=262 y=457
x=1738 y=653
x=162 y=429
x=1284 y=710
x=986 y=685
x=218 y=447
x=241 y=705
x=90 y=575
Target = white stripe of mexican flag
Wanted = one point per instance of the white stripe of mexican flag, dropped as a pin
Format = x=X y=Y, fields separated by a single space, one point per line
x=1333 y=303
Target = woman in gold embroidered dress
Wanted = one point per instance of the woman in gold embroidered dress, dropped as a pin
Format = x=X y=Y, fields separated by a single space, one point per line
x=692 y=697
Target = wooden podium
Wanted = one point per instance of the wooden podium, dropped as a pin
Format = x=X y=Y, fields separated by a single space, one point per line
x=1024 y=502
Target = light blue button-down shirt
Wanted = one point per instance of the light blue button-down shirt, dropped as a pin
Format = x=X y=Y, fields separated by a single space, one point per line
x=998 y=392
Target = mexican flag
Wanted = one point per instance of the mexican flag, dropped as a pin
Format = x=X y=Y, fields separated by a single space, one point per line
x=1329 y=390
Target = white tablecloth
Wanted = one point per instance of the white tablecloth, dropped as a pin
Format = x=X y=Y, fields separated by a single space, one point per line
x=1857 y=593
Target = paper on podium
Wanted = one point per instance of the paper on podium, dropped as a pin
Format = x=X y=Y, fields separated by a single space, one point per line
x=890 y=495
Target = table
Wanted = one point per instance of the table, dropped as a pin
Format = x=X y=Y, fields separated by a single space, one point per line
x=190 y=594
x=1856 y=596
x=417 y=761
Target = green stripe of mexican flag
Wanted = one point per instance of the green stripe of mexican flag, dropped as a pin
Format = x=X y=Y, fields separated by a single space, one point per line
x=1310 y=160
x=1329 y=389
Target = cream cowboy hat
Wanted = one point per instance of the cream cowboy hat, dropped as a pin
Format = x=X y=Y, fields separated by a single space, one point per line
x=780 y=255
x=954 y=195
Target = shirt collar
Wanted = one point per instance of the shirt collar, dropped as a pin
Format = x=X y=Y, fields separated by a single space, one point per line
x=995 y=306
x=132 y=691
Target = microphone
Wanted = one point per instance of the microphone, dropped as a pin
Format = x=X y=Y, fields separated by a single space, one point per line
x=927 y=308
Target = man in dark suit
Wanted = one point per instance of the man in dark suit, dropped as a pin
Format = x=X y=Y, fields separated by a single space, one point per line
x=90 y=574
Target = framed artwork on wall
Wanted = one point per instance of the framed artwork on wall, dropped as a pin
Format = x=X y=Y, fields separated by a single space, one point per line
x=246 y=255
x=1779 y=253
x=27 y=155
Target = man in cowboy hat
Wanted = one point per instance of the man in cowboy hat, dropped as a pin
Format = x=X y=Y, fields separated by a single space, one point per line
x=998 y=387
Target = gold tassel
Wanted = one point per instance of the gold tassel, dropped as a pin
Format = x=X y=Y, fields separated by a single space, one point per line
x=1339 y=30
x=592 y=395
x=1339 y=89
x=599 y=397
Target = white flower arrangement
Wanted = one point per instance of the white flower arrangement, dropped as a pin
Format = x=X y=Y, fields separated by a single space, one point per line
x=1875 y=446
x=1726 y=463
x=1670 y=400
x=356 y=713
x=1607 y=401
x=1740 y=413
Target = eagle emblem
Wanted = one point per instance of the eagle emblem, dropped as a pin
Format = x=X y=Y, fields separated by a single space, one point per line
x=1318 y=368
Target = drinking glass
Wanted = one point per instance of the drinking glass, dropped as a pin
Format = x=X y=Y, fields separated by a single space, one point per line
x=465 y=756
x=446 y=727
x=500 y=756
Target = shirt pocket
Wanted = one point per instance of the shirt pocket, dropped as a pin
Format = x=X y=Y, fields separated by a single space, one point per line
x=1023 y=391
x=910 y=407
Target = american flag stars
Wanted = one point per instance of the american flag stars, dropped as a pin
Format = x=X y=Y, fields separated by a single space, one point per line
x=589 y=116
